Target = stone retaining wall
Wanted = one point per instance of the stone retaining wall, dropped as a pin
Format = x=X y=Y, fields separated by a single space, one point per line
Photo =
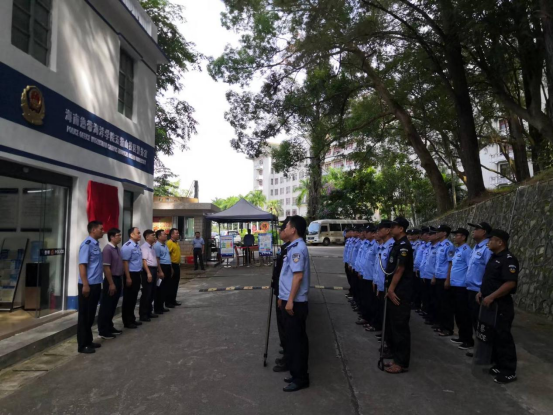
x=527 y=214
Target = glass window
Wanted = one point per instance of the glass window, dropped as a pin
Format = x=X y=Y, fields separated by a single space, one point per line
x=282 y=190
x=287 y=200
x=271 y=191
x=128 y=200
x=189 y=228
x=282 y=180
x=335 y=227
x=313 y=228
x=288 y=212
x=288 y=190
x=302 y=174
x=272 y=181
x=324 y=228
x=31 y=27
x=126 y=87
x=294 y=212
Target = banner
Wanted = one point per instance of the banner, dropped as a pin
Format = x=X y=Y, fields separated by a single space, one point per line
x=265 y=241
x=227 y=246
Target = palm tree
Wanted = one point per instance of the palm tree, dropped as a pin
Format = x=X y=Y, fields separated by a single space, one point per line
x=303 y=188
x=274 y=207
x=256 y=198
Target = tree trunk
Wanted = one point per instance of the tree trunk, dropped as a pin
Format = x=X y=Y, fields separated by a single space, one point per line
x=466 y=127
x=547 y=25
x=520 y=155
x=443 y=202
x=315 y=183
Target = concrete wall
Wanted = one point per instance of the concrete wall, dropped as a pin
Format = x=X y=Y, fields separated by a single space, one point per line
x=527 y=214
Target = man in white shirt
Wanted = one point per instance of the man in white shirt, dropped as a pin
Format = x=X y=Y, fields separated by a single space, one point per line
x=149 y=276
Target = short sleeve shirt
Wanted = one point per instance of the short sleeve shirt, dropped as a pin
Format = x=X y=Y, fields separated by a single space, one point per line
x=174 y=251
x=429 y=269
x=149 y=254
x=249 y=240
x=111 y=256
x=368 y=266
x=90 y=255
x=444 y=256
x=295 y=260
x=401 y=254
x=383 y=256
x=420 y=256
x=197 y=242
x=460 y=265
x=478 y=259
x=346 y=250
x=501 y=268
x=162 y=252
x=131 y=252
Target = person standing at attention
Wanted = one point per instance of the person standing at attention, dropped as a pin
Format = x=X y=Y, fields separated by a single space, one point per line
x=174 y=252
x=199 y=246
x=90 y=286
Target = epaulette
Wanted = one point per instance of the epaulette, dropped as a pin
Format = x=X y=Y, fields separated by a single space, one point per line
x=293 y=245
x=128 y=243
x=402 y=243
x=87 y=242
x=464 y=247
x=509 y=256
x=447 y=243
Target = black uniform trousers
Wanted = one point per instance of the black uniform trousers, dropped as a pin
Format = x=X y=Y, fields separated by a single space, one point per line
x=398 y=333
x=173 y=288
x=163 y=288
x=198 y=255
x=378 y=310
x=87 y=313
x=444 y=310
x=130 y=296
x=417 y=292
x=504 y=353
x=460 y=305
x=145 y=308
x=474 y=308
x=281 y=331
x=348 y=276
x=366 y=299
x=431 y=301
x=425 y=294
x=356 y=287
x=108 y=305
x=297 y=343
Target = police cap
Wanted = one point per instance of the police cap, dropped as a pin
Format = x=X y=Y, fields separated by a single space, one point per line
x=443 y=228
x=385 y=224
x=482 y=225
x=501 y=234
x=371 y=228
x=401 y=221
x=462 y=231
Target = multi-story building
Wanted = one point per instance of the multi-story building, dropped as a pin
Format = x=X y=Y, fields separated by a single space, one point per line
x=277 y=186
x=77 y=123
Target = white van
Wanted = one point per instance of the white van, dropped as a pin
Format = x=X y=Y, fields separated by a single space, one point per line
x=328 y=231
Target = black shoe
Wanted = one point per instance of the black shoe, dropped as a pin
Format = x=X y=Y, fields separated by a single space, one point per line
x=177 y=303
x=137 y=323
x=115 y=331
x=456 y=340
x=95 y=345
x=166 y=310
x=494 y=371
x=435 y=326
x=503 y=379
x=428 y=323
x=131 y=326
x=469 y=354
x=195 y=269
x=281 y=368
x=153 y=315
x=159 y=312
x=170 y=306
x=87 y=350
x=203 y=269
x=107 y=336
x=289 y=379
x=280 y=361
x=465 y=346
x=295 y=386
x=145 y=319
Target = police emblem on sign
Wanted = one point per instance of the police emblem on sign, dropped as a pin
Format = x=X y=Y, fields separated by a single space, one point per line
x=32 y=103
x=296 y=258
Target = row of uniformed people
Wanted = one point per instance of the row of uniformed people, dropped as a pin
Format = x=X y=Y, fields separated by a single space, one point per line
x=153 y=266
x=450 y=282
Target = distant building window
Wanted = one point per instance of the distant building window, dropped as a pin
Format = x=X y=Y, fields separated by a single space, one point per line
x=271 y=192
x=31 y=27
x=288 y=212
x=504 y=169
x=282 y=190
x=272 y=171
x=294 y=212
x=302 y=174
x=350 y=162
x=281 y=202
x=287 y=201
x=503 y=126
x=282 y=180
x=288 y=190
x=126 y=84
x=338 y=164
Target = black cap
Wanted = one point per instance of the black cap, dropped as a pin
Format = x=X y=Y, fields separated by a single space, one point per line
x=385 y=224
x=401 y=221
x=358 y=229
x=482 y=225
x=415 y=231
x=498 y=233
x=371 y=228
x=425 y=229
x=284 y=223
x=432 y=230
x=443 y=228
x=462 y=231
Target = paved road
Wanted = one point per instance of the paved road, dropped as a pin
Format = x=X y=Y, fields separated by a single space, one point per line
x=206 y=358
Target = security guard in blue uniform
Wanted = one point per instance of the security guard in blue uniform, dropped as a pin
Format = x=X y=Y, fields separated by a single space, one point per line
x=91 y=275
x=499 y=283
x=414 y=238
x=132 y=265
x=418 y=266
x=444 y=257
x=293 y=300
x=399 y=281
x=281 y=362
x=367 y=302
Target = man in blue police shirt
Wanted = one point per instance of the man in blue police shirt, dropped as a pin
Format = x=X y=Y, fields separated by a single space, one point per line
x=444 y=256
x=132 y=265
x=91 y=275
x=293 y=296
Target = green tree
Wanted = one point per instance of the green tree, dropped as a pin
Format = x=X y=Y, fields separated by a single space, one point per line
x=303 y=190
x=256 y=198
x=274 y=207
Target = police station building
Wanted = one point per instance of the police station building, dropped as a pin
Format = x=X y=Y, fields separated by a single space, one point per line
x=77 y=109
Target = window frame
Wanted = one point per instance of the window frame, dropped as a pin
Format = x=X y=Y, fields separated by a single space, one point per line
x=32 y=41
x=126 y=61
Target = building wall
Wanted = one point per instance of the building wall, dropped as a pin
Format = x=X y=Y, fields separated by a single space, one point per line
x=84 y=68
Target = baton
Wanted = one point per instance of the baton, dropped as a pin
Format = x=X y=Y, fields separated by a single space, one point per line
x=271 y=293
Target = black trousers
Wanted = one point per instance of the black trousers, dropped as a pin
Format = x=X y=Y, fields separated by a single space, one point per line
x=87 y=313
x=458 y=298
x=431 y=300
x=378 y=316
x=366 y=299
x=348 y=276
x=504 y=353
x=130 y=296
x=280 y=327
x=417 y=292
x=474 y=308
x=444 y=310
x=356 y=284
x=145 y=308
x=425 y=295
x=198 y=254
x=173 y=287
x=297 y=343
x=162 y=290
x=108 y=305
x=398 y=333
x=248 y=256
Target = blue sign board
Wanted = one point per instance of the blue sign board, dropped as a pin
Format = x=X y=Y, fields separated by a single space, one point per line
x=69 y=122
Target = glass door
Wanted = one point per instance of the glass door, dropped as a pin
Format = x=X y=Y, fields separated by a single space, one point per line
x=52 y=248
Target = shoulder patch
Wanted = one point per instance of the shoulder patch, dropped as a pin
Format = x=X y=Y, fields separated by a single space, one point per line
x=296 y=257
x=512 y=269
x=451 y=253
x=87 y=242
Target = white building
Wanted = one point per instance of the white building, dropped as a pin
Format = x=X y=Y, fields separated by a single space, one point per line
x=78 y=82
x=275 y=186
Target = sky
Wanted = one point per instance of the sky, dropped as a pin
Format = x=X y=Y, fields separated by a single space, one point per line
x=219 y=169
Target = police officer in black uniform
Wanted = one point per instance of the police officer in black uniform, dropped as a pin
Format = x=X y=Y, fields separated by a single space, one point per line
x=281 y=362
x=399 y=280
x=498 y=284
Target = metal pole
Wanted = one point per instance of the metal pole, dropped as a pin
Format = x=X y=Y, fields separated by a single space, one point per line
x=268 y=327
